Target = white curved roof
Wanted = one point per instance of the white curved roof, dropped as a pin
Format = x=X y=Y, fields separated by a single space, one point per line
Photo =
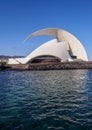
x=51 y=48
x=74 y=45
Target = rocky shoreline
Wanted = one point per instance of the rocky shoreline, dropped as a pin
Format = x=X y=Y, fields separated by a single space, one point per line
x=49 y=66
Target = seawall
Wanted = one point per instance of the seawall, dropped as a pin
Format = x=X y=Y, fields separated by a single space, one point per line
x=50 y=66
x=62 y=66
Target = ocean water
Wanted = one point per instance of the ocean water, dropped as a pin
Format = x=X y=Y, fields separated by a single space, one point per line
x=46 y=100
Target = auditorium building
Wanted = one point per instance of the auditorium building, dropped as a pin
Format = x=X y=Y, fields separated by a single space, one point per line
x=63 y=47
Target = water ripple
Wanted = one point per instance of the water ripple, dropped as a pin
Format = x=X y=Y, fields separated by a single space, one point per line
x=46 y=100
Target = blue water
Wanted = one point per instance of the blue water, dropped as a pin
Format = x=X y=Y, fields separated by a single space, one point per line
x=46 y=100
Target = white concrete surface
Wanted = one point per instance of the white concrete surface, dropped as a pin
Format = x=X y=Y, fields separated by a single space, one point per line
x=51 y=48
x=74 y=44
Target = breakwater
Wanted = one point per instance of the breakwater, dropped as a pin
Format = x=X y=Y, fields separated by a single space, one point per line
x=50 y=66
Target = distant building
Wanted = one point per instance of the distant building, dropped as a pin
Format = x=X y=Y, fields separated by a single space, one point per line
x=55 y=50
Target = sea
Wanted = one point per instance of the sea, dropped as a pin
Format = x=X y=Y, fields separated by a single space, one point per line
x=46 y=100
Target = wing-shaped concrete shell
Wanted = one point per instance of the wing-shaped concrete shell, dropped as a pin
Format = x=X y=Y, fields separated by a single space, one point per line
x=51 y=48
x=74 y=45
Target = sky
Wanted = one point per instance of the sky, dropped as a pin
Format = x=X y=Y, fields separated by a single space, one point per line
x=20 y=18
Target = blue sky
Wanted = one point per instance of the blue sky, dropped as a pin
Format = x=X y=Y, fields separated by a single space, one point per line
x=19 y=18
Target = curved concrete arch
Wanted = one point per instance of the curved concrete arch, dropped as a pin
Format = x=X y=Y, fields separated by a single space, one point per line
x=49 y=31
x=75 y=48
x=31 y=60
x=51 y=48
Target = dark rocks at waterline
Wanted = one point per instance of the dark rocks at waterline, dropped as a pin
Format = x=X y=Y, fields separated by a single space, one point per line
x=61 y=66
x=49 y=66
x=4 y=67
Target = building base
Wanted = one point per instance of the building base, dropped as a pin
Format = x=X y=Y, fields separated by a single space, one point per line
x=49 y=66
